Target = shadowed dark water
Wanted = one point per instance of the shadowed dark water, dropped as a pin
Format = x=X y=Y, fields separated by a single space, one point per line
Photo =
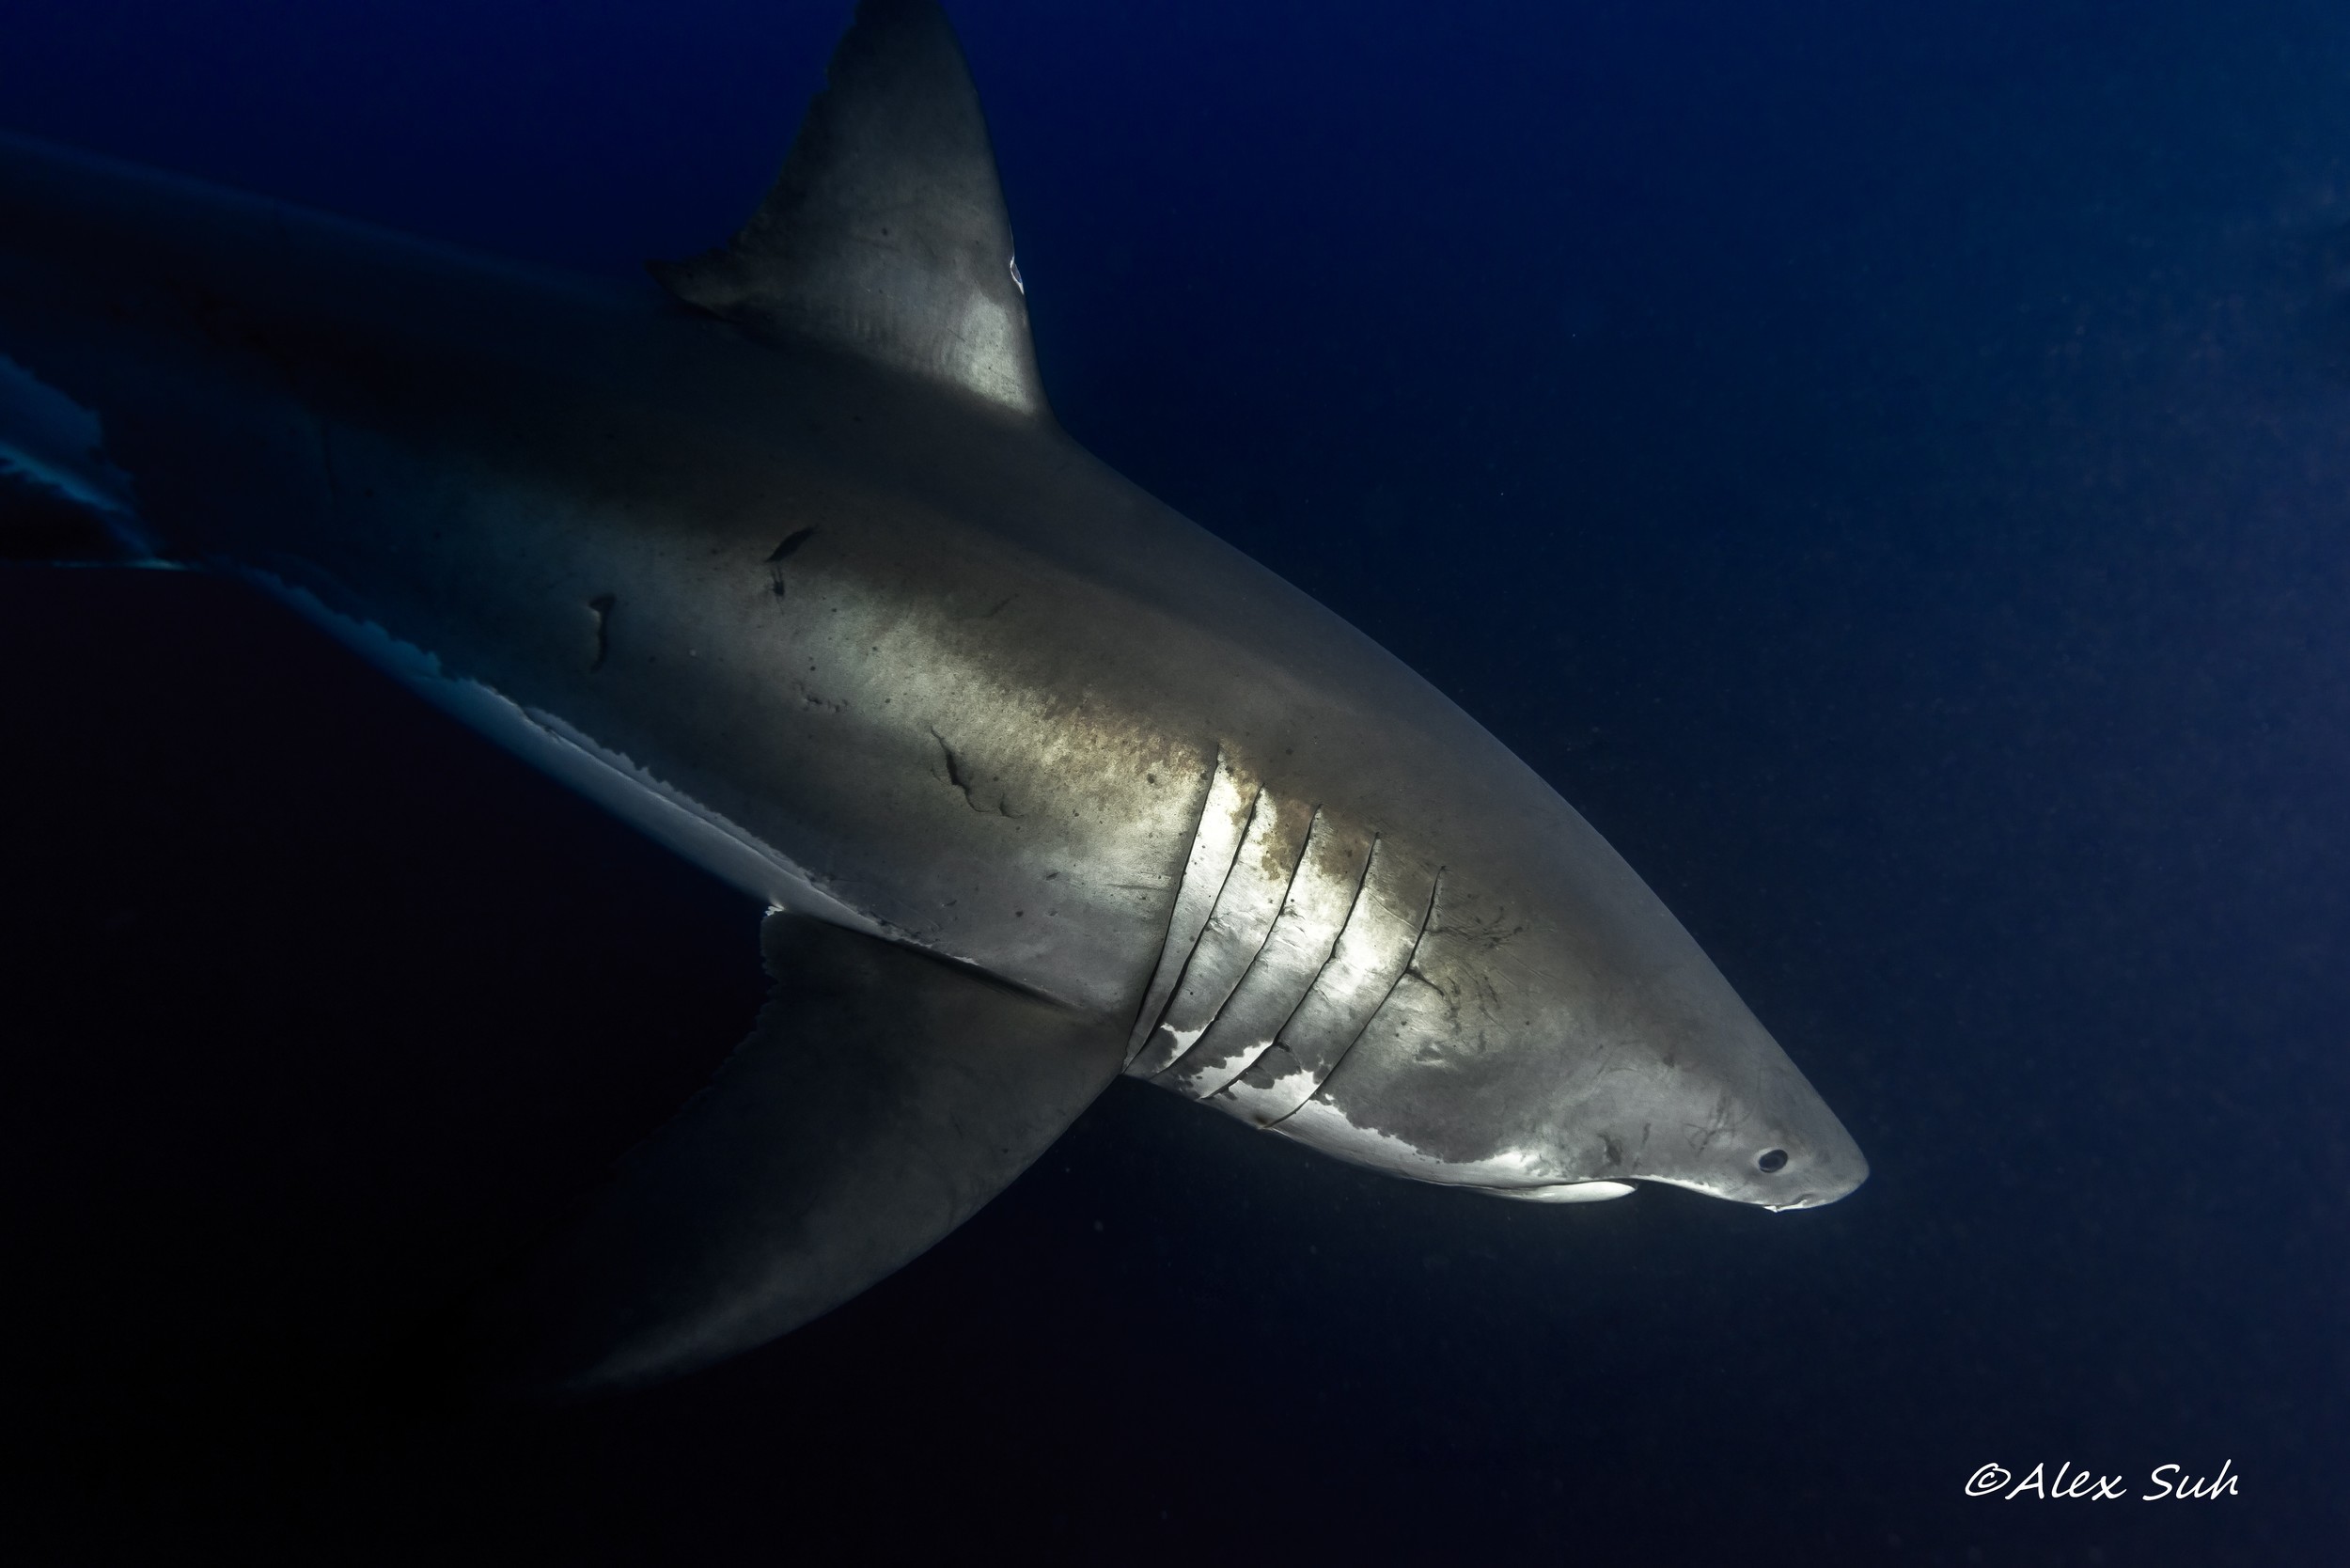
x=1888 y=465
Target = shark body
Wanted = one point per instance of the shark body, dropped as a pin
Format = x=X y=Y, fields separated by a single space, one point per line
x=793 y=567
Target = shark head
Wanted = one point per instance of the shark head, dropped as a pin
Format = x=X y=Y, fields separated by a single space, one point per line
x=1522 y=1062
x=1699 y=1097
x=1518 y=1075
x=1529 y=1021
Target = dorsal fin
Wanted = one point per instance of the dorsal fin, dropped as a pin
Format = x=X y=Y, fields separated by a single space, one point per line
x=886 y=235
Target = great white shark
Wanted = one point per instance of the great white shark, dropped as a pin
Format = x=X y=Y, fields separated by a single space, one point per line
x=789 y=565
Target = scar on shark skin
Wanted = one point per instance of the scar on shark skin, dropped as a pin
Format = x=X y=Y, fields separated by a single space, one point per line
x=955 y=777
x=782 y=553
x=602 y=605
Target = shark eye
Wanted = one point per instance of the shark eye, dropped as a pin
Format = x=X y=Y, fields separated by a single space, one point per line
x=1773 y=1160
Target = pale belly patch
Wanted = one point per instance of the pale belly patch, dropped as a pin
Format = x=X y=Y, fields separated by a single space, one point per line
x=670 y=817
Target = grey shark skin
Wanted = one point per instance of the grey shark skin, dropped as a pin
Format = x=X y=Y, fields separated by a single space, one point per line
x=795 y=568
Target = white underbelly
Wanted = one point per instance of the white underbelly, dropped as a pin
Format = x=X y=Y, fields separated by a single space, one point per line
x=669 y=816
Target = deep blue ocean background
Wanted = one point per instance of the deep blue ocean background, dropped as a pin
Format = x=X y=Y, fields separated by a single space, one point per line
x=1888 y=465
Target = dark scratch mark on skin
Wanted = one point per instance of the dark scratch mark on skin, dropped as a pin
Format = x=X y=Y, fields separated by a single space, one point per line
x=782 y=553
x=1488 y=933
x=601 y=604
x=990 y=612
x=1724 y=1122
x=955 y=777
x=326 y=464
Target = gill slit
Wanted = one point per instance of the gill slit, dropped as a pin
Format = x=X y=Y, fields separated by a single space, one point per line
x=1279 y=913
x=1426 y=918
x=1354 y=907
x=1144 y=1021
x=1149 y=1030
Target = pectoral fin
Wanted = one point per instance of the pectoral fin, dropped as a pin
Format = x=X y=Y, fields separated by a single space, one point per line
x=883 y=1097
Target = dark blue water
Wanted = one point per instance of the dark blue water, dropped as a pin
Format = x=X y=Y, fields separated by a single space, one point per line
x=1888 y=465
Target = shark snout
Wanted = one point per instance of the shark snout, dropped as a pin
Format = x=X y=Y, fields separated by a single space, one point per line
x=1810 y=1169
